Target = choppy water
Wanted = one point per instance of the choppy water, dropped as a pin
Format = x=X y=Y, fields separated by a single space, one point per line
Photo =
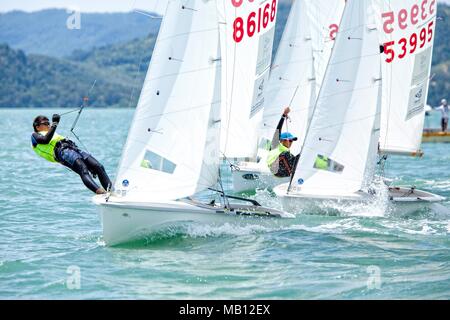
x=49 y=230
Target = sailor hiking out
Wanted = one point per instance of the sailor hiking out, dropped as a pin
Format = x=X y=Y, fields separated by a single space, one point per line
x=55 y=148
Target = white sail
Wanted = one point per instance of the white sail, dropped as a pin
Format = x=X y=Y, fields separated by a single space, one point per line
x=171 y=150
x=247 y=33
x=407 y=29
x=324 y=19
x=292 y=77
x=340 y=145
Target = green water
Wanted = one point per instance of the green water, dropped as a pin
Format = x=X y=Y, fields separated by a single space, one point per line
x=49 y=230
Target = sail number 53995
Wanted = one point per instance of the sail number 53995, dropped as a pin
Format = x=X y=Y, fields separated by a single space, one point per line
x=255 y=22
x=409 y=46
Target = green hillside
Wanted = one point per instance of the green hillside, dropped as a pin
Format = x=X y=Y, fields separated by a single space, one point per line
x=36 y=81
x=45 y=32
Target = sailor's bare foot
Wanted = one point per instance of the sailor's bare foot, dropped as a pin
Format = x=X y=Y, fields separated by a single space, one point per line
x=100 y=191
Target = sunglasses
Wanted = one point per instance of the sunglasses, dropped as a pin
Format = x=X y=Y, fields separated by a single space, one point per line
x=46 y=123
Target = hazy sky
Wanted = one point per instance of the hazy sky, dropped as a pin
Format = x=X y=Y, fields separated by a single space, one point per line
x=90 y=5
x=84 y=5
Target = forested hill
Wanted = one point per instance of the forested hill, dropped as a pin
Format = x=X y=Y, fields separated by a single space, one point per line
x=30 y=80
x=58 y=33
x=37 y=81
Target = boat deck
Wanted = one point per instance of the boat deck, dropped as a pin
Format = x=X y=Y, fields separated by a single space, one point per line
x=435 y=135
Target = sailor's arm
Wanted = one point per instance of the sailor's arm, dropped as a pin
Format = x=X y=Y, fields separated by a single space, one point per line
x=276 y=135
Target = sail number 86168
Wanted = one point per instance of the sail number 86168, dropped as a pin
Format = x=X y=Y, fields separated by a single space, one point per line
x=255 y=22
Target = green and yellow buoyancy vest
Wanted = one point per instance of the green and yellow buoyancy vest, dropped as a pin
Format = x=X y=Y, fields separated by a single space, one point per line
x=47 y=151
x=275 y=153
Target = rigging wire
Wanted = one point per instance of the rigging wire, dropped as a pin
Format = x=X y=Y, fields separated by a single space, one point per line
x=225 y=198
x=80 y=110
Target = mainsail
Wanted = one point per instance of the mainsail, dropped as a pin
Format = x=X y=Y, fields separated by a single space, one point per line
x=171 y=150
x=299 y=66
x=324 y=18
x=340 y=146
x=407 y=29
x=246 y=33
x=292 y=78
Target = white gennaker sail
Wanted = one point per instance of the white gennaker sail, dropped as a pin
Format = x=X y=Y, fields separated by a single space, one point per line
x=172 y=149
x=339 y=153
x=295 y=79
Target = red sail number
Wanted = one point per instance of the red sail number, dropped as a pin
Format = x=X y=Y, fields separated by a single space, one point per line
x=255 y=22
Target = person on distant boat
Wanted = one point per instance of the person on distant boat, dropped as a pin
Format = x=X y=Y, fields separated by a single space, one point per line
x=444 y=111
x=280 y=159
x=55 y=148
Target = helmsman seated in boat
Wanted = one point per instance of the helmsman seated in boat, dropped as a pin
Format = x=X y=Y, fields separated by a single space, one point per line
x=280 y=159
x=53 y=147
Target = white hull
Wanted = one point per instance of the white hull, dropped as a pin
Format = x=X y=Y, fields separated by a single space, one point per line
x=402 y=201
x=127 y=221
x=252 y=176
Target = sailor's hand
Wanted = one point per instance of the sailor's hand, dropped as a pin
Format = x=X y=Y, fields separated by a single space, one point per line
x=286 y=111
x=56 y=118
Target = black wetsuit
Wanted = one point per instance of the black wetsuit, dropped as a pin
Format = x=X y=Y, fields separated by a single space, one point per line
x=68 y=154
x=286 y=162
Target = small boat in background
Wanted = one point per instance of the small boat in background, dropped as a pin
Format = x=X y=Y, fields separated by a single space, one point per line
x=435 y=135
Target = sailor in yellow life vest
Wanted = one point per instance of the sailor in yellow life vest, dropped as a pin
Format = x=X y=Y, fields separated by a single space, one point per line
x=280 y=159
x=55 y=148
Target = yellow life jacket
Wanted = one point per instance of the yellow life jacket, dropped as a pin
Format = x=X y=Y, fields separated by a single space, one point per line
x=47 y=151
x=275 y=153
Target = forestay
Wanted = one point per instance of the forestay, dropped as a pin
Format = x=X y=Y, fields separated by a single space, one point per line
x=340 y=146
x=171 y=150
x=247 y=33
x=407 y=29
x=292 y=78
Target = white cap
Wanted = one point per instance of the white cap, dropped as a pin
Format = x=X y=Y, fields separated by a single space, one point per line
x=444 y=101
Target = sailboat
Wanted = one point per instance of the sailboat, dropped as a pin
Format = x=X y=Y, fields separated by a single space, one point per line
x=172 y=152
x=295 y=78
x=407 y=32
x=335 y=162
x=339 y=155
